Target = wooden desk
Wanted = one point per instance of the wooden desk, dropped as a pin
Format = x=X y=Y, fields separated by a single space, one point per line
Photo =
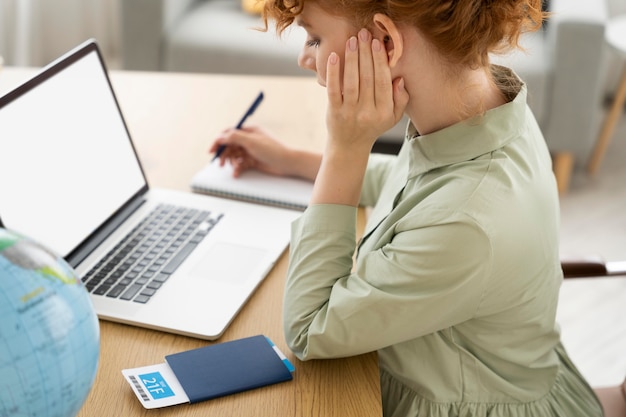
x=173 y=118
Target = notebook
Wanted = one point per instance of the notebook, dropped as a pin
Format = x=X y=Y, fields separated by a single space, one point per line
x=253 y=186
x=71 y=180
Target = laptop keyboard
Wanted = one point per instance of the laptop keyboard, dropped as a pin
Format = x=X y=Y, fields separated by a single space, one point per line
x=137 y=267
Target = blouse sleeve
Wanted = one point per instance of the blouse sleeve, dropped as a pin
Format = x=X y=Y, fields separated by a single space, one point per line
x=378 y=168
x=429 y=276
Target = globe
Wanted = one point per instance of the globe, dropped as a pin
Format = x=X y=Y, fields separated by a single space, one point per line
x=49 y=333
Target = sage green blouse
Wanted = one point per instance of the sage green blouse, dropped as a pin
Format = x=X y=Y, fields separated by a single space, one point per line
x=456 y=279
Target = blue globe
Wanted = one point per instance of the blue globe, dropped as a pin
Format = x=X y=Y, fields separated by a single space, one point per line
x=49 y=333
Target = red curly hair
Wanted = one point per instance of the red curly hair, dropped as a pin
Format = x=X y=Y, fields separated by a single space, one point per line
x=464 y=31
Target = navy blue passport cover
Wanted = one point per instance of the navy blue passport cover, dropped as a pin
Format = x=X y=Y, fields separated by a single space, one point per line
x=226 y=368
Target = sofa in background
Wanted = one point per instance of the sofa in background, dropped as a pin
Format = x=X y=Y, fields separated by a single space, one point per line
x=214 y=36
x=564 y=65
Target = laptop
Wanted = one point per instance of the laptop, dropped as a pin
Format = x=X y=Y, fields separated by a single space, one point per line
x=70 y=179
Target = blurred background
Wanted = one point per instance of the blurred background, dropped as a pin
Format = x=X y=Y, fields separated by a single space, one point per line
x=35 y=32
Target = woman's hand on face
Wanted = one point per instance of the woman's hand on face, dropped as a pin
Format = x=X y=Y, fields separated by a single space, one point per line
x=370 y=102
x=362 y=107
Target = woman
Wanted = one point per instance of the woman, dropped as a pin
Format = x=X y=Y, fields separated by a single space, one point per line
x=456 y=279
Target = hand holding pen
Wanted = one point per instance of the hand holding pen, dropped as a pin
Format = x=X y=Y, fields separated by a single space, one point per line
x=253 y=148
x=239 y=125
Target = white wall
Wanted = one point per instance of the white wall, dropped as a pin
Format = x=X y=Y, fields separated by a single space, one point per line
x=35 y=32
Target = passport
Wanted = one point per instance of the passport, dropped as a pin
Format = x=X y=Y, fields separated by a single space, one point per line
x=227 y=368
x=210 y=372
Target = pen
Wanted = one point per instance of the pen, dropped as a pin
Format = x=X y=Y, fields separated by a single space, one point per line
x=248 y=113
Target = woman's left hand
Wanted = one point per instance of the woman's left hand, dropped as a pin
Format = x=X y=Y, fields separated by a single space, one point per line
x=365 y=105
x=368 y=102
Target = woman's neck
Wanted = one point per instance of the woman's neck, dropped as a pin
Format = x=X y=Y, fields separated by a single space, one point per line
x=440 y=95
x=439 y=100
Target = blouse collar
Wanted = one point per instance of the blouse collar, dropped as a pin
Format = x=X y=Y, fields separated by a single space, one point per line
x=471 y=138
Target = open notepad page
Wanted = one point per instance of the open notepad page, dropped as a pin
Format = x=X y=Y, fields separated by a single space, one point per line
x=253 y=186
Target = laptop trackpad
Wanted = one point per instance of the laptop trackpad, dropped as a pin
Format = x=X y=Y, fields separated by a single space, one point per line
x=228 y=262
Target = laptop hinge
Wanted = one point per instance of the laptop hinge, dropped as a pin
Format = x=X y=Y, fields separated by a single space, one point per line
x=89 y=245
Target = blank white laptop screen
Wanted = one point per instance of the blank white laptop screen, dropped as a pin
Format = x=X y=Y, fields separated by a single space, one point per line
x=59 y=196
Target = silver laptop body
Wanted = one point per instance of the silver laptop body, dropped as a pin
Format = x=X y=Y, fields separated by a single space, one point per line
x=70 y=179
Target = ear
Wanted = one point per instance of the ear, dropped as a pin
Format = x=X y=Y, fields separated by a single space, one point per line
x=388 y=32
